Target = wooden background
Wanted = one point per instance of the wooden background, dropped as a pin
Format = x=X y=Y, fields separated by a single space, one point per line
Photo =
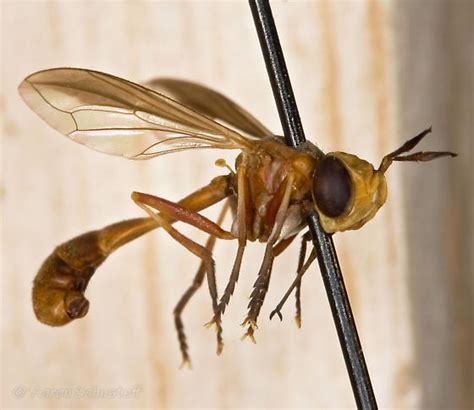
x=367 y=75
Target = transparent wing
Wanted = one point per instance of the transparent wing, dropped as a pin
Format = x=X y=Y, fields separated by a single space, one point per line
x=118 y=117
x=211 y=103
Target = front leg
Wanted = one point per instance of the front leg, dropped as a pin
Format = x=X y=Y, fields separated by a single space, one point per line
x=301 y=270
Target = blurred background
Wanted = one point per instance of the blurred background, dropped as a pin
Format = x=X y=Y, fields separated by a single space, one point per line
x=367 y=76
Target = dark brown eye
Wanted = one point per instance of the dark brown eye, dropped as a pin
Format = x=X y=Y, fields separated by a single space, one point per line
x=331 y=186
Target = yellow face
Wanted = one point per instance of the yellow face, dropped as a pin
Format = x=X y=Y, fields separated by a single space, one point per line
x=347 y=191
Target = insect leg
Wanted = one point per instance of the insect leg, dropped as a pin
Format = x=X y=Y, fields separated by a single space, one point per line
x=241 y=217
x=302 y=268
x=304 y=241
x=282 y=245
x=175 y=211
x=59 y=286
x=196 y=284
x=263 y=278
x=279 y=248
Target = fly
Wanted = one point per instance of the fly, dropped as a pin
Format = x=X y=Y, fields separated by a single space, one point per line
x=270 y=192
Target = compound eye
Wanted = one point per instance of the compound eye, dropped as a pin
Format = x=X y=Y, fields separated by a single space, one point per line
x=331 y=186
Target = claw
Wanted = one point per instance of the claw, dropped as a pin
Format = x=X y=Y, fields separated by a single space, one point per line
x=276 y=312
x=186 y=363
x=298 y=321
x=217 y=323
x=249 y=334
x=209 y=324
x=251 y=322
x=220 y=347
x=213 y=322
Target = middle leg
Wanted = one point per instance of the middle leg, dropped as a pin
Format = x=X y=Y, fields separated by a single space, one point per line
x=263 y=278
x=241 y=218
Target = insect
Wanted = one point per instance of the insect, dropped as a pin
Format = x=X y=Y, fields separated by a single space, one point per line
x=269 y=193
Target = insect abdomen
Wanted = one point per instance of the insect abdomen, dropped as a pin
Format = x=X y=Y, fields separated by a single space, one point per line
x=58 y=288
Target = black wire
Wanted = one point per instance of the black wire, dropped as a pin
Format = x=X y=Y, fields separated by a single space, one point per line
x=327 y=258
x=277 y=72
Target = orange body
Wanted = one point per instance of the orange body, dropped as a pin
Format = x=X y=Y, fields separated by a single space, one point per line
x=271 y=192
x=266 y=169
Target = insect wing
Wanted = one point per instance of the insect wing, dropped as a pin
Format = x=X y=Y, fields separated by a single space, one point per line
x=211 y=103
x=118 y=117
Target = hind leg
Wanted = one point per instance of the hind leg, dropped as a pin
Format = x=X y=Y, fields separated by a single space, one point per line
x=174 y=211
x=188 y=294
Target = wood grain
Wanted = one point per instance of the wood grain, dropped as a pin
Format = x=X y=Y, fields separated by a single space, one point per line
x=366 y=75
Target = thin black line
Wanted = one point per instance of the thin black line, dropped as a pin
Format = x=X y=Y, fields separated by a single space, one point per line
x=327 y=258
x=277 y=72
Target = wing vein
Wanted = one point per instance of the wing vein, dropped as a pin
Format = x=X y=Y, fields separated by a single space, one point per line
x=118 y=117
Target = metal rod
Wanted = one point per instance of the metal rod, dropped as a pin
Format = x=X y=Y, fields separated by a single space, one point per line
x=327 y=258
x=342 y=315
x=277 y=72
